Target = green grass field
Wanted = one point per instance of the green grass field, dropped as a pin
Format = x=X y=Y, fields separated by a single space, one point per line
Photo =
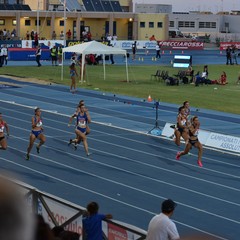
x=224 y=98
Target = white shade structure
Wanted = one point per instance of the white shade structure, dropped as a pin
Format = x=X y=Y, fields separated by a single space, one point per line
x=95 y=47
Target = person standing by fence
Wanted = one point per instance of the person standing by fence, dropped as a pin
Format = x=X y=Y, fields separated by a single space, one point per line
x=38 y=56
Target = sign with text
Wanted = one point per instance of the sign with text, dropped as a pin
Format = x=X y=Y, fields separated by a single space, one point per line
x=181 y=45
x=224 y=142
x=224 y=45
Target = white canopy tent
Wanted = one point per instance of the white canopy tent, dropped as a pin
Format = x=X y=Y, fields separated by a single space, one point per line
x=95 y=47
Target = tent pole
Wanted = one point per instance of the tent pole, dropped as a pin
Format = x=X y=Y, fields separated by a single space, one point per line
x=82 y=67
x=104 y=70
x=62 y=67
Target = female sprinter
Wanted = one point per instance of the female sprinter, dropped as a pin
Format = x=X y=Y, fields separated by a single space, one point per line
x=193 y=141
x=73 y=74
x=37 y=133
x=3 y=142
x=181 y=130
x=83 y=118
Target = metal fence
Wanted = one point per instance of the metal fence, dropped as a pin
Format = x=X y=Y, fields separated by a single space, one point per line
x=59 y=212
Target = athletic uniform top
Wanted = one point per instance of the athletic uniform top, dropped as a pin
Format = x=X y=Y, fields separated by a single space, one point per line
x=72 y=72
x=2 y=126
x=82 y=120
x=38 y=122
x=193 y=134
x=187 y=112
x=183 y=120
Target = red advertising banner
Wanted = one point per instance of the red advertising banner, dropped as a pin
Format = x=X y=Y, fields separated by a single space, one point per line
x=181 y=45
x=224 y=45
x=116 y=233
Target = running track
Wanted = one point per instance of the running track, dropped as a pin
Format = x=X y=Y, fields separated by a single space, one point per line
x=129 y=173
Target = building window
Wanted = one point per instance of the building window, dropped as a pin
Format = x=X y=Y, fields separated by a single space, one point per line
x=61 y=23
x=159 y=24
x=171 y=24
x=14 y=22
x=27 y=22
x=151 y=24
x=48 y=22
x=39 y=23
x=207 y=25
x=186 y=24
x=142 y=24
x=2 y=22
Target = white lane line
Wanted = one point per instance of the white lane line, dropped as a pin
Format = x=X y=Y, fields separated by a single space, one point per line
x=119 y=146
x=102 y=195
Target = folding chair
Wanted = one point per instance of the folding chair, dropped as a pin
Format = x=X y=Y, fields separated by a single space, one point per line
x=156 y=75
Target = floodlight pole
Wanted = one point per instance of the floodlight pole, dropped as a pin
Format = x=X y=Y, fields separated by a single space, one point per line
x=65 y=27
x=38 y=19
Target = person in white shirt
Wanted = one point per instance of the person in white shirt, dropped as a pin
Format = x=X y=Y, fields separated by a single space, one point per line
x=4 y=54
x=161 y=227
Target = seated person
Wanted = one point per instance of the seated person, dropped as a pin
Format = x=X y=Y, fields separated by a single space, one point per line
x=238 y=81
x=223 y=79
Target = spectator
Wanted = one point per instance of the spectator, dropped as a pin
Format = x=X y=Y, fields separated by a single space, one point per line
x=61 y=35
x=134 y=49
x=54 y=35
x=4 y=52
x=38 y=56
x=8 y=35
x=32 y=35
x=14 y=33
x=114 y=37
x=35 y=39
x=89 y=36
x=228 y=55
x=152 y=38
x=4 y=33
x=1 y=57
x=43 y=231
x=205 y=69
x=15 y=217
x=92 y=223
x=69 y=34
x=234 y=55
x=238 y=81
x=223 y=79
x=60 y=54
x=158 y=49
x=161 y=227
x=27 y=35
x=53 y=51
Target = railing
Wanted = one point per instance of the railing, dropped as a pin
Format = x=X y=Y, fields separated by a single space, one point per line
x=59 y=212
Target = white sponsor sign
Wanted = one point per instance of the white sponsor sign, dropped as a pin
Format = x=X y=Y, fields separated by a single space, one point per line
x=48 y=43
x=140 y=44
x=61 y=214
x=225 y=142
x=169 y=132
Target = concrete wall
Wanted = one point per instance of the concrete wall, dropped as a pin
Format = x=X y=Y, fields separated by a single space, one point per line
x=159 y=33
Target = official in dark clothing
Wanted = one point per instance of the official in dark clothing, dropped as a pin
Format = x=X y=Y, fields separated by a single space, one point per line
x=38 y=56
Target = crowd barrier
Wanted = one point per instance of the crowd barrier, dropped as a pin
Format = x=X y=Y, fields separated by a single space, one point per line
x=59 y=212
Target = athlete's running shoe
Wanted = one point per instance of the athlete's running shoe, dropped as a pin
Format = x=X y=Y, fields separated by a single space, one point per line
x=27 y=157
x=178 y=156
x=88 y=154
x=38 y=149
x=199 y=163
x=70 y=142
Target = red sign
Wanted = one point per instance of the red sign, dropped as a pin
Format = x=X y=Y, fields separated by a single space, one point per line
x=224 y=45
x=116 y=233
x=181 y=45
